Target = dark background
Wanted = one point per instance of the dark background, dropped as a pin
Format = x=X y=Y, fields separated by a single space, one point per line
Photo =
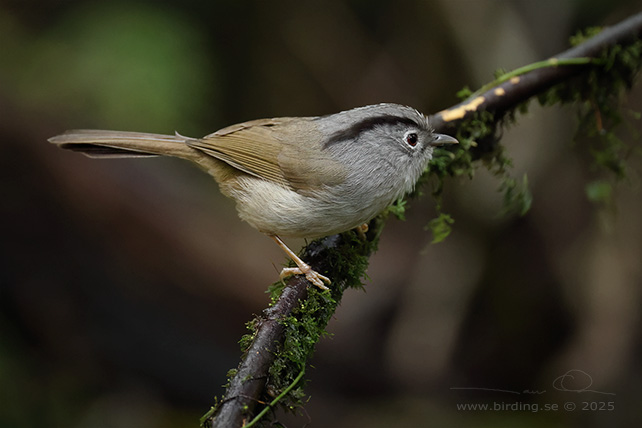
x=125 y=284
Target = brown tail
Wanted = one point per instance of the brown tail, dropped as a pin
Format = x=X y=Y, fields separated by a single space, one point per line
x=116 y=144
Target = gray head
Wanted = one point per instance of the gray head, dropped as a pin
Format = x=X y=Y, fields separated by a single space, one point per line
x=387 y=145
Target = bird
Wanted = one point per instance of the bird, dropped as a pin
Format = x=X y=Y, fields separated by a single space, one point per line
x=304 y=177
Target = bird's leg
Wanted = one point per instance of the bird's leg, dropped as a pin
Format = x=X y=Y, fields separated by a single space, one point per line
x=362 y=230
x=303 y=268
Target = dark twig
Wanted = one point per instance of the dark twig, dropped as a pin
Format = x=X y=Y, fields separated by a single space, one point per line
x=509 y=94
x=247 y=386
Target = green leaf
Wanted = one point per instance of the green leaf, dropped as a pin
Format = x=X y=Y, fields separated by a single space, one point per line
x=440 y=227
x=599 y=191
x=398 y=209
x=517 y=196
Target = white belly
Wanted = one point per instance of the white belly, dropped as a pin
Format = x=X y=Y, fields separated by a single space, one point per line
x=275 y=210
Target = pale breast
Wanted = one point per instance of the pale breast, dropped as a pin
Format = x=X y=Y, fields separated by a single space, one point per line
x=275 y=210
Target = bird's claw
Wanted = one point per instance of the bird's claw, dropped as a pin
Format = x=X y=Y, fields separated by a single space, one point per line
x=311 y=275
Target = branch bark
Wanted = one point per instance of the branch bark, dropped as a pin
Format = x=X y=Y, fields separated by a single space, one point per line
x=248 y=384
x=246 y=388
x=515 y=91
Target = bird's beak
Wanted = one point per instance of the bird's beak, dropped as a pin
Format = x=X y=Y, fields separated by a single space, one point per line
x=442 y=139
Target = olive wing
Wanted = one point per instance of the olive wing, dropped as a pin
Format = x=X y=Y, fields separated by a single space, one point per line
x=287 y=151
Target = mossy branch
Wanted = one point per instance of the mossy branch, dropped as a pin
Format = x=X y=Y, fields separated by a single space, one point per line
x=508 y=94
x=282 y=339
x=591 y=76
x=275 y=352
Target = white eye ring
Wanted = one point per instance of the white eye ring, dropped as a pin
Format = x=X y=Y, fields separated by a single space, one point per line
x=411 y=138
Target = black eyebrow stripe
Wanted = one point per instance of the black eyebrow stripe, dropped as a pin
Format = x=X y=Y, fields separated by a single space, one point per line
x=354 y=130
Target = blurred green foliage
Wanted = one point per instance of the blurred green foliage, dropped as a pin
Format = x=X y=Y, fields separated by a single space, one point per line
x=121 y=64
x=165 y=66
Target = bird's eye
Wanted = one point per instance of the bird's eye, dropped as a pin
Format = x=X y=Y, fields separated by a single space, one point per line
x=411 y=138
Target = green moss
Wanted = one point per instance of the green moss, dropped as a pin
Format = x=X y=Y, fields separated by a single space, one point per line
x=599 y=191
x=517 y=196
x=306 y=324
x=582 y=36
x=205 y=419
x=246 y=339
x=596 y=95
x=398 y=209
x=303 y=329
x=478 y=145
x=440 y=227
